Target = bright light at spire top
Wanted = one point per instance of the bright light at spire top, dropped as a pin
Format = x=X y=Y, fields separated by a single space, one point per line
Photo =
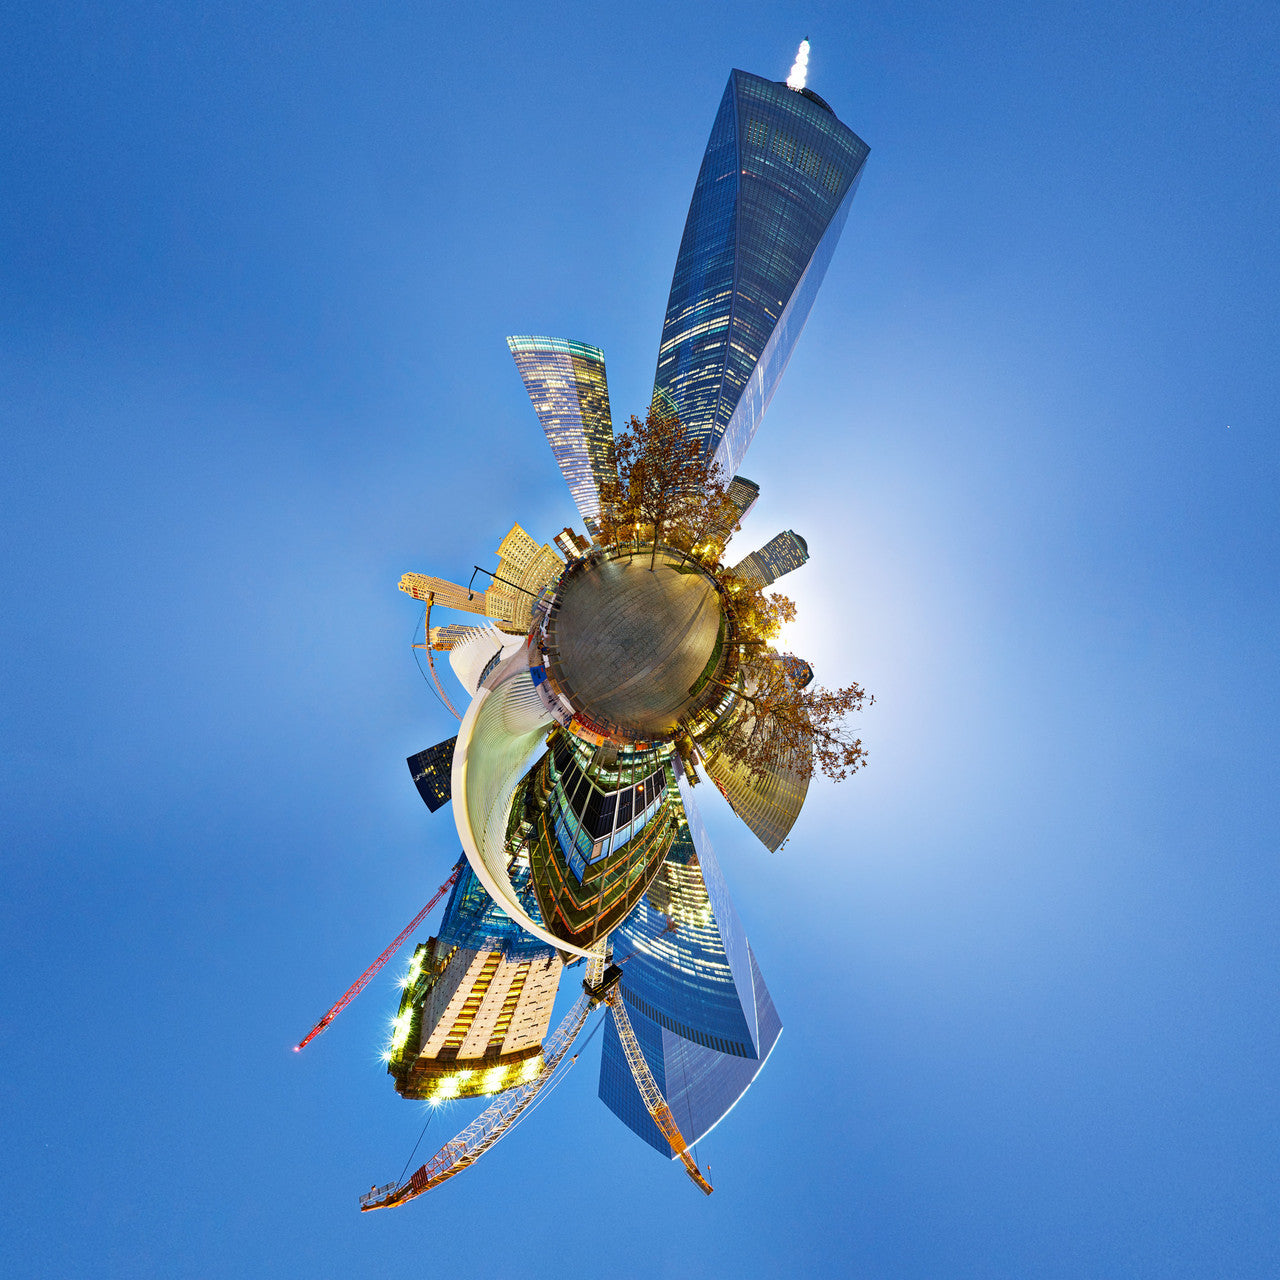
x=801 y=67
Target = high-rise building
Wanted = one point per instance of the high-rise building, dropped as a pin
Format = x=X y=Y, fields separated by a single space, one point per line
x=566 y=382
x=477 y=1003
x=572 y=544
x=694 y=995
x=743 y=495
x=769 y=800
x=445 y=638
x=431 y=770
x=781 y=554
x=599 y=825
x=771 y=199
x=524 y=568
x=448 y=595
x=798 y=669
x=767 y=797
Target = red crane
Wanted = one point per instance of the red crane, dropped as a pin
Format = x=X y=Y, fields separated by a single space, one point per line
x=366 y=977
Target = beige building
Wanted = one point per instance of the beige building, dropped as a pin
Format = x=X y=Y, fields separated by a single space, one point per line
x=448 y=595
x=524 y=568
x=443 y=639
x=475 y=1026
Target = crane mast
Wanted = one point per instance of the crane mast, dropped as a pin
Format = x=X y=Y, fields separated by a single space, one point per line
x=492 y=1124
x=488 y=1128
x=654 y=1102
x=367 y=976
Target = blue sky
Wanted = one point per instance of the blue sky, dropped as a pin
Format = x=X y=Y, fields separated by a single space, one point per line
x=257 y=271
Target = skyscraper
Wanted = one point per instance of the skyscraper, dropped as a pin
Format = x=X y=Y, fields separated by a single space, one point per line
x=476 y=1003
x=694 y=995
x=524 y=568
x=610 y=679
x=600 y=824
x=743 y=495
x=448 y=595
x=782 y=553
x=445 y=638
x=431 y=770
x=771 y=199
x=768 y=801
x=566 y=382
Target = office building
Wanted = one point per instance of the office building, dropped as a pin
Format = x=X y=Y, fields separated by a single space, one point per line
x=524 y=568
x=743 y=495
x=778 y=556
x=445 y=638
x=694 y=995
x=798 y=669
x=770 y=201
x=448 y=595
x=431 y=773
x=476 y=1005
x=566 y=382
x=572 y=544
x=600 y=823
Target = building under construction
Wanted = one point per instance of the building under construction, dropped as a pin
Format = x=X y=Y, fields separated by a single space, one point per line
x=476 y=1004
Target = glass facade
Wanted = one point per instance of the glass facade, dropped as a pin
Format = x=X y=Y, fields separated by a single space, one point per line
x=597 y=826
x=781 y=554
x=566 y=382
x=694 y=995
x=743 y=494
x=432 y=770
x=771 y=198
x=474 y=922
x=595 y=814
x=769 y=802
x=700 y=1085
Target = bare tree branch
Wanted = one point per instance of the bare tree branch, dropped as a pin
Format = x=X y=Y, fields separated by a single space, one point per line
x=790 y=728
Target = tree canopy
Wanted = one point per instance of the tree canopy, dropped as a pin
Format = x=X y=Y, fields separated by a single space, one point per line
x=785 y=727
x=665 y=481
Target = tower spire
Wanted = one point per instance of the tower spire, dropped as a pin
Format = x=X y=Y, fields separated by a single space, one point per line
x=800 y=68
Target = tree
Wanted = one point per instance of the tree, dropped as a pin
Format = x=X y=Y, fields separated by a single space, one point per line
x=665 y=481
x=791 y=728
x=758 y=617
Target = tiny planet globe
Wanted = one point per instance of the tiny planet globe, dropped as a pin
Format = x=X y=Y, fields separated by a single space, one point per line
x=629 y=646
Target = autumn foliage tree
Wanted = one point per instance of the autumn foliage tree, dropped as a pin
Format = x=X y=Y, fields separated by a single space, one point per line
x=758 y=615
x=784 y=726
x=664 y=481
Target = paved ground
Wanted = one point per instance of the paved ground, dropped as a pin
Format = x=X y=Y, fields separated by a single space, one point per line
x=630 y=642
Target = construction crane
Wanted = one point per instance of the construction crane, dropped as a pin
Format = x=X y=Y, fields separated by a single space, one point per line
x=654 y=1102
x=431 y=662
x=492 y=1124
x=367 y=976
x=600 y=986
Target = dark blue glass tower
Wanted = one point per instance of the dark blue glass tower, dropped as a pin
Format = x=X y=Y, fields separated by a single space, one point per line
x=474 y=922
x=771 y=199
x=694 y=996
